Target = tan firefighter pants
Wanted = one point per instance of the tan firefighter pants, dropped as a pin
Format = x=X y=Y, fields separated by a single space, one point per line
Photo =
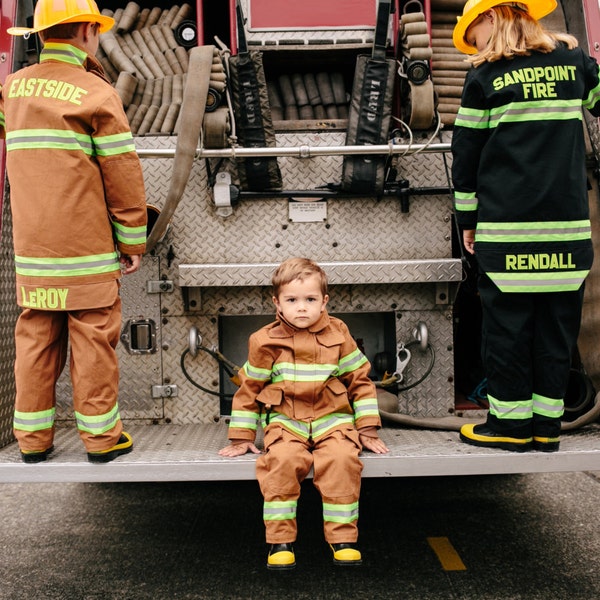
x=337 y=474
x=41 y=348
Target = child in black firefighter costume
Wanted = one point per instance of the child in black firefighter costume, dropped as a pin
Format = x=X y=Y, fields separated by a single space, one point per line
x=521 y=200
x=307 y=382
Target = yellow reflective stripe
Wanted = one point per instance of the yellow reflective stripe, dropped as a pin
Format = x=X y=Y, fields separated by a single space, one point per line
x=280 y=510
x=472 y=118
x=366 y=408
x=55 y=139
x=314 y=429
x=465 y=201
x=256 y=373
x=519 y=409
x=340 y=513
x=547 y=231
x=111 y=145
x=97 y=424
x=62 y=52
x=72 y=266
x=548 y=407
x=536 y=110
x=34 y=421
x=285 y=371
x=130 y=235
x=351 y=362
x=244 y=419
x=561 y=281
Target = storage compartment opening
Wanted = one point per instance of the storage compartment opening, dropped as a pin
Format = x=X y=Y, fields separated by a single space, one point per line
x=310 y=88
x=374 y=333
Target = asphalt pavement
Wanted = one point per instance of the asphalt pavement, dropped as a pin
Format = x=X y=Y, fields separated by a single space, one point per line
x=503 y=537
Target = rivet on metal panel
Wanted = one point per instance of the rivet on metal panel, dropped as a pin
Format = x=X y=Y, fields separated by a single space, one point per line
x=441 y=293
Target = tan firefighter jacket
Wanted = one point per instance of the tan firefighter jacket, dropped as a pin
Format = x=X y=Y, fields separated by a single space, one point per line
x=309 y=381
x=77 y=191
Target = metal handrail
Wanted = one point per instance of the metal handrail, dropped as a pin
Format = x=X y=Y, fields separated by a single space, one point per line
x=301 y=151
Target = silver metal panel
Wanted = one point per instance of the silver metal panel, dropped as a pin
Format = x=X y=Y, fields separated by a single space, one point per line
x=338 y=273
x=259 y=231
x=190 y=453
x=410 y=304
x=138 y=372
x=8 y=316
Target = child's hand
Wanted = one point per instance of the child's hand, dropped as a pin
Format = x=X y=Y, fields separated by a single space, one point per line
x=373 y=444
x=239 y=448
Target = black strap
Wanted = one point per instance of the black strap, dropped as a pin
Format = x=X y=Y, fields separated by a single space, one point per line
x=381 y=28
x=242 y=44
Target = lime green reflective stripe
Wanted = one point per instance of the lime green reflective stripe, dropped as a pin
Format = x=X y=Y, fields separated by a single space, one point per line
x=593 y=96
x=546 y=231
x=34 y=421
x=365 y=408
x=548 y=407
x=279 y=510
x=244 y=419
x=63 y=52
x=321 y=426
x=465 y=201
x=472 y=118
x=540 y=110
x=561 y=281
x=2 y=119
x=520 y=409
x=130 y=235
x=301 y=372
x=256 y=373
x=340 y=513
x=98 y=424
x=314 y=429
x=351 y=362
x=55 y=139
x=110 y=145
x=300 y=428
x=67 y=267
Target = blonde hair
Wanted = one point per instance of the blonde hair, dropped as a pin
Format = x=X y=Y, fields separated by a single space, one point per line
x=294 y=269
x=516 y=33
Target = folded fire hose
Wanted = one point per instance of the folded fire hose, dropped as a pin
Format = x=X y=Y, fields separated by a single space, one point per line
x=370 y=111
x=192 y=113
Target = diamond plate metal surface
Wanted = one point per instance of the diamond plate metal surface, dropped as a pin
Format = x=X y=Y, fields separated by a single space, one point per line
x=259 y=230
x=410 y=304
x=190 y=453
x=138 y=373
x=8 y=316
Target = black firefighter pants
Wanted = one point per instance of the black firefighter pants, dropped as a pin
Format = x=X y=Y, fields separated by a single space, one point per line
x=527 y=345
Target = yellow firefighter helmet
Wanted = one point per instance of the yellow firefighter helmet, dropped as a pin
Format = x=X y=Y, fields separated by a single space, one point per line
x=55 y=12
x=473 y=8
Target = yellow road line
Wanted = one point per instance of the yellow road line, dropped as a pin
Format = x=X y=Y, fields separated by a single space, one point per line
x=446 y=554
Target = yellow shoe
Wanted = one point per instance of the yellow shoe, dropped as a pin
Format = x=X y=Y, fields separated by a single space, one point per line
x=123 y=446
x=281 y=557
x=345 y=555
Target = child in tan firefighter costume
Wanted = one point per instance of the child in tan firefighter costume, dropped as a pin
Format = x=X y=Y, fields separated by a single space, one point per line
x=76 y=192
x=521 y=200
x=307 y=382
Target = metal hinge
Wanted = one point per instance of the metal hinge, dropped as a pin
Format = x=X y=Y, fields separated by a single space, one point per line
x=160 y=287
x=164 y=391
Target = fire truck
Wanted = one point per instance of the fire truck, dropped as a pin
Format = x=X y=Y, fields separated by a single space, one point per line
x=271 y=129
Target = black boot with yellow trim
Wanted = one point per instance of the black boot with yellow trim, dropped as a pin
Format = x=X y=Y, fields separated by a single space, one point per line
x=123 y=446
x=483 y=436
